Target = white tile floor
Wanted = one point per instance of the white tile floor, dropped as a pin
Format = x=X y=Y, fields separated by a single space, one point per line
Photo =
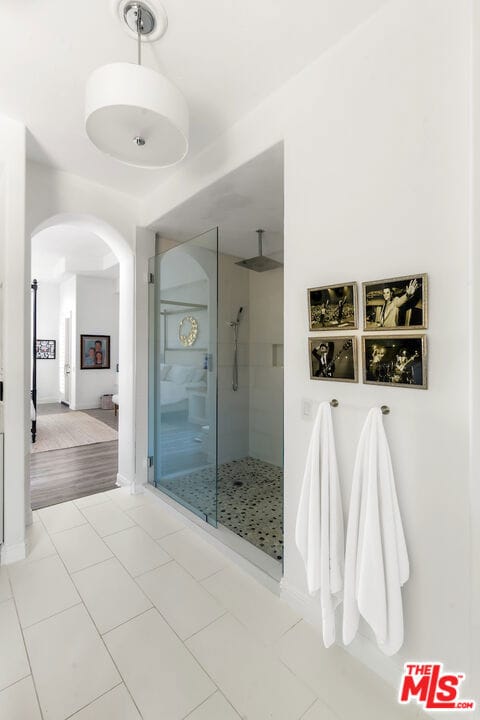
x=122 y=613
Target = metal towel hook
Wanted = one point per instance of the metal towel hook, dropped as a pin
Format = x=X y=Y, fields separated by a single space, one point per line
x=334 y=402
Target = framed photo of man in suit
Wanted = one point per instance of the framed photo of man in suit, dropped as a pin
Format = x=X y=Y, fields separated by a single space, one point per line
x=396 y=303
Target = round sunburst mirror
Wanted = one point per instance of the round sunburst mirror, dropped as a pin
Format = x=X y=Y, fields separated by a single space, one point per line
x=187 y=330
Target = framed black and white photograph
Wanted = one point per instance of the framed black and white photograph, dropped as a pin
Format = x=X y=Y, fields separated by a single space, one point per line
x=46 y=349
x=397 y=360
x=333 y=307
x=95 y=352
x=395 y=303
x=333 y=358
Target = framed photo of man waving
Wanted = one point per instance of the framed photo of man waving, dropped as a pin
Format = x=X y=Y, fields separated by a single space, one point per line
x=396 y=303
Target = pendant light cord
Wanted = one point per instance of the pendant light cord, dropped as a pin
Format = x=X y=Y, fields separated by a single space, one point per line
x=139 y=34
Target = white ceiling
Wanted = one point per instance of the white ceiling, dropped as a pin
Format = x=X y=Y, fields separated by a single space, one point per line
x=249 y=198
x=224 y=55
x=60 y=251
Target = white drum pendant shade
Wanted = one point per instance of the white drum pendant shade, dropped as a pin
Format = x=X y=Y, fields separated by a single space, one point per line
x=136 y=115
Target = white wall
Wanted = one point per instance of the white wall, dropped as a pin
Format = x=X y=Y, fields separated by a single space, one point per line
x=67 y=309
x=53 y=192
x=97 y=314
x=376 y=136
x=48 y=299
x=474 y=349
x=2 y=277
x=266 y=379
x=16 y=362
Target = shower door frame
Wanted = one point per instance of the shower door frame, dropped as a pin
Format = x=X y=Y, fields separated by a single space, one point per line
x=154 y=302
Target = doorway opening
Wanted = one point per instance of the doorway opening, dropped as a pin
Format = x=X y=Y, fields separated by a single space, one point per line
x=82 y=361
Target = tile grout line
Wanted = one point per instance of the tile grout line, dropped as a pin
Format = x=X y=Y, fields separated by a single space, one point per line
x=95 y=700
x=113 y=555
x=190 y=652
x=107 y=650
x=226 y=612
x=198 y=581
x=185 y=717
x=49 y=617
x=307 y=710
x=15 y=682
x=134 y=617
x=147 y=572
x=28 y=657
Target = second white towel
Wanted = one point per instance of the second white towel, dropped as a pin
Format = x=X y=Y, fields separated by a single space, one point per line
x=376 y=560
x=319 y=531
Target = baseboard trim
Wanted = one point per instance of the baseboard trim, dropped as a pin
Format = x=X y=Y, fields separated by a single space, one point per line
x=12 y=553
x=136 y=488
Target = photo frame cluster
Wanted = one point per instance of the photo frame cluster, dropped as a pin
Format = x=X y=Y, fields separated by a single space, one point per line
x=392 y=309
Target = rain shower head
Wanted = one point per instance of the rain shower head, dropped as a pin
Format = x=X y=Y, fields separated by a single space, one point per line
x=260 y=263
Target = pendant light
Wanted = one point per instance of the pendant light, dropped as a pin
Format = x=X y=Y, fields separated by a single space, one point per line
x=133 y=113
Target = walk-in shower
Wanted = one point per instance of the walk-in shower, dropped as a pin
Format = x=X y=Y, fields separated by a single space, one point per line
x=216 y=366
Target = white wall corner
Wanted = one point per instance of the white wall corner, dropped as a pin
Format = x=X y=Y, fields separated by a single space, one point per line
x=123 y=481
x=13 y=553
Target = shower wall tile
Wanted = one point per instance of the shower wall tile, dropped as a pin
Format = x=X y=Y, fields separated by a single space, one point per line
x=261 y=354
x=250 y=421
x=225 y=378
x=233 y=407
x=232 y=446
x=266 y=380
x=225 y=354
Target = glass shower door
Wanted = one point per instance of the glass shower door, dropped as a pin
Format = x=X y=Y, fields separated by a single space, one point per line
x=183 y=373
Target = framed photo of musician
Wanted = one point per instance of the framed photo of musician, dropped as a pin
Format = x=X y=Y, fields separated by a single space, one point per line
x=396 y=303
x=396 y=360
x=333 y=307
x=333 y=358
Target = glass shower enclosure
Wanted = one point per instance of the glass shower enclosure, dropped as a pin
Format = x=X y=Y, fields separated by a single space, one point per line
x=183 y=300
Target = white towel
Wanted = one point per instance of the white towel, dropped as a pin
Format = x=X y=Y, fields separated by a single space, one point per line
x=319 y=532
x=376 y=560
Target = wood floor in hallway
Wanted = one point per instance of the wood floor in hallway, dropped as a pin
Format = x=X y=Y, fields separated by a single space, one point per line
x=61 y=475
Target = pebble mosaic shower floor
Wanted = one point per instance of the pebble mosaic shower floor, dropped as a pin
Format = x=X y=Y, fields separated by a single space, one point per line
x=249 y=500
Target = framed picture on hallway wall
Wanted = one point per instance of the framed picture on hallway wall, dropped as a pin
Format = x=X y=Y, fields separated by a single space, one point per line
x=95 y=352
x=333 y=307
x=46 y=349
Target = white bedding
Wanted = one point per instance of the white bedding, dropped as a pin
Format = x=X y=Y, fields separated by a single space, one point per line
x=171 y=393
x=176 y=381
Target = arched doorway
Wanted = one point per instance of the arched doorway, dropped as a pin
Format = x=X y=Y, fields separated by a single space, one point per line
x=126 y=380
